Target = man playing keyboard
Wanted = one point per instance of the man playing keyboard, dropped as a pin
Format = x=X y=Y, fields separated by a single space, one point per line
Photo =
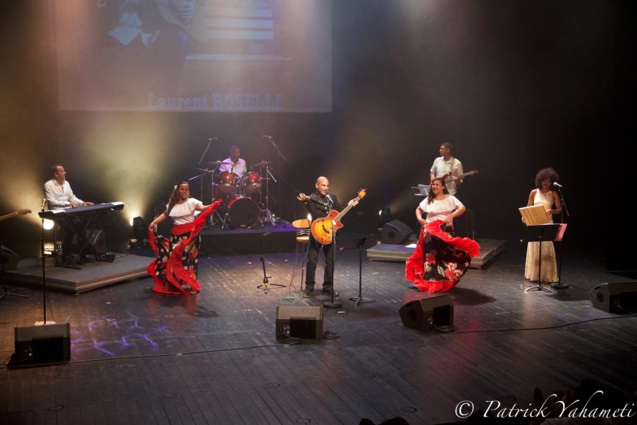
x=58 y=191
x=59 y=195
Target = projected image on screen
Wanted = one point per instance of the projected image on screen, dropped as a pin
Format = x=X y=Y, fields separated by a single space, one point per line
x=194 y=55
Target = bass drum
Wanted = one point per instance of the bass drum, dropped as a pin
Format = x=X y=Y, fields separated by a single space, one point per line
x=243 y=212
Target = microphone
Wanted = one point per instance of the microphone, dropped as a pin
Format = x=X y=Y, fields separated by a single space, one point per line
x=211 y=139
x=266 y=136
x=329 y=198
x=43 y=203
x=556 y=184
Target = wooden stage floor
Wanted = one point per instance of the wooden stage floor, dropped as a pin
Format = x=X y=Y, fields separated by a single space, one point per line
x=138 y=357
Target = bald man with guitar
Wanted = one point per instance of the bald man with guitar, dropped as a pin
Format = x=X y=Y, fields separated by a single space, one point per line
x=323 y=207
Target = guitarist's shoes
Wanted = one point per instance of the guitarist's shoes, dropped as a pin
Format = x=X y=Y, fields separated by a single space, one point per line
x=328 y=291
x=308 y=292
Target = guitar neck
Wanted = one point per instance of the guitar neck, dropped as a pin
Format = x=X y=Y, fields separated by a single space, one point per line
x=4 y=217
x=340 y=215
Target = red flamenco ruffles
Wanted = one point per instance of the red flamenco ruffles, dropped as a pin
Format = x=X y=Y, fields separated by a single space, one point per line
x=440 y=260
x=175 y=267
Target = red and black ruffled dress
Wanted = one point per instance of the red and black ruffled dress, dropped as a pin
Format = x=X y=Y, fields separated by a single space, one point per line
x=440 y=260
x=175 y=267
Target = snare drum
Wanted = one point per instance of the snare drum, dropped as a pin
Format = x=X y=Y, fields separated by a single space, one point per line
x=251 y=181
x=243 y=212
x=228 y=182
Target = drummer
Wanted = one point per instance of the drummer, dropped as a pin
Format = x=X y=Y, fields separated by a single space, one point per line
x=234 y=163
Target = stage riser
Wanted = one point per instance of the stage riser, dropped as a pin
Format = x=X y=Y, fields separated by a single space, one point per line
x=489 y=249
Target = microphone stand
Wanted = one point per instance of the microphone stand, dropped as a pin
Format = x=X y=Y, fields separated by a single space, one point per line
x=206 y=150
x=44 y=322
x=275 y=147
x=559 y=284
x=332 y=303
x=203 y=171
x=266 y=281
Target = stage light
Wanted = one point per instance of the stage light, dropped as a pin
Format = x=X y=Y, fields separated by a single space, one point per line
x=140 y=231
x=48 y=224
x=384 y=216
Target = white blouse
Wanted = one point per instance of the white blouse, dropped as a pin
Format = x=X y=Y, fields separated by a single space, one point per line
x=439 y=209
x=184 y=213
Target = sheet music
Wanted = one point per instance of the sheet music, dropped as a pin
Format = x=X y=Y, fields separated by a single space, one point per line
x=534 y=215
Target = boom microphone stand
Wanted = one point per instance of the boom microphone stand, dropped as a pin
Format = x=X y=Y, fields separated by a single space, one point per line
x=266 y=281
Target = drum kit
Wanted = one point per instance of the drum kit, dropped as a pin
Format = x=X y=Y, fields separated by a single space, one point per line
x=242 y=206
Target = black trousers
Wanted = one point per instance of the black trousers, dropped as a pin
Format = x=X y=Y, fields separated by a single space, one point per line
x=312 y=260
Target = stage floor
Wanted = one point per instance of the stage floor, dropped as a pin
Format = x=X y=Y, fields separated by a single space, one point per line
x=141 y=357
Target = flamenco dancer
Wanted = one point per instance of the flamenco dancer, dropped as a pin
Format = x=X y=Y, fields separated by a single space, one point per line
x=175 y=268
x=440 y=259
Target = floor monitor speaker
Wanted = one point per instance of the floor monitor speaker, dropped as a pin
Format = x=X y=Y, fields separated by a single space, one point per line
x=435 y=312
x=42 y=344
x=9 y=258
x=299 y=322
x=395 y=232
x=617 y=298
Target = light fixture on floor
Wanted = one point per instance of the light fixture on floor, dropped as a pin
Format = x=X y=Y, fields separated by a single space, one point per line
x=140 y=231
x=384 y=216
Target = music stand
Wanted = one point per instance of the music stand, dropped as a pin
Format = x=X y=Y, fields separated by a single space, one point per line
x=420 y=190
x=541 y=233
x=359 y=243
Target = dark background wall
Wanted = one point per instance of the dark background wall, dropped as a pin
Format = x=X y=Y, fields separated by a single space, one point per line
x=515 y=85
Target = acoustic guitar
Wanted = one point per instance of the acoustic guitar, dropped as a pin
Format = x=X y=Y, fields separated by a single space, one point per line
x=323 y=228
x=13 y=214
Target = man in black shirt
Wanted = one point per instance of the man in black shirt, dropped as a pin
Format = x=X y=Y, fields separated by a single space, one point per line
x=319 y=205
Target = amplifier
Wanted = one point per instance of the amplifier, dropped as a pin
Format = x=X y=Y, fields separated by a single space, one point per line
x=42 y=344
x=299 y=322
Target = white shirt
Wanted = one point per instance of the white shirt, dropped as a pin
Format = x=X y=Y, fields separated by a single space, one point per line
x=453 y=167
x=239 y=168
x=439 y=209
x=184 y=213
x=59 y=197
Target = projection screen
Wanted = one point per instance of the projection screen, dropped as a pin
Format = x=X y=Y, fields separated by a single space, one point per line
x=193 y=55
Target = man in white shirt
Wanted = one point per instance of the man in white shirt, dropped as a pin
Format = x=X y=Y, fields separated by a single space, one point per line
x=59 y=195
x=448 y=167
x=234 y=163
x=58 y=191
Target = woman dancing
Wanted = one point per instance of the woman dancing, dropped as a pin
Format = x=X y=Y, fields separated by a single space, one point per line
x=175 y=268
x=440 y=259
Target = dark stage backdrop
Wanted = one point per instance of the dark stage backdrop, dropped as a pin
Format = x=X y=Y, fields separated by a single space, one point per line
x=515 y=86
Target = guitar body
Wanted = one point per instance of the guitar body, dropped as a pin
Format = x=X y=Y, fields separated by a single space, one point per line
x=323 y=228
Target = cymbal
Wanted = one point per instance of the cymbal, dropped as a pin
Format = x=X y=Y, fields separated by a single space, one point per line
x=219 y=163
x=262 y=163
